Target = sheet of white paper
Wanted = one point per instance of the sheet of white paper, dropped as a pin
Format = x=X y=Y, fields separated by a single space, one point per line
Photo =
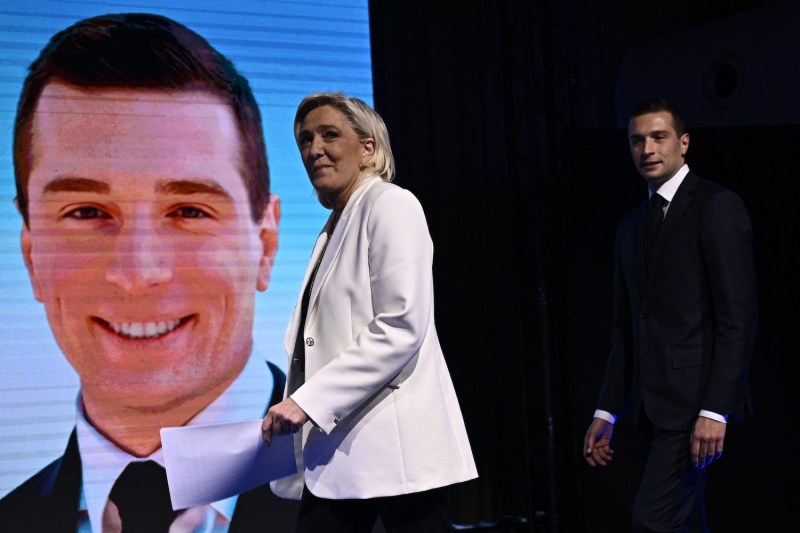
x=209 y=463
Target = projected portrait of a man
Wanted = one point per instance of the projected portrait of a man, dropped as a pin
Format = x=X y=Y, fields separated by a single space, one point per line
x=147 y=229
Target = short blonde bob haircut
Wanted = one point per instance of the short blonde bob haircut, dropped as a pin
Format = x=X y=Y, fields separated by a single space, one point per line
x=365 y=122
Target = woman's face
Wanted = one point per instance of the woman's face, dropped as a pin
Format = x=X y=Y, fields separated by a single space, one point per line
x=332 y=154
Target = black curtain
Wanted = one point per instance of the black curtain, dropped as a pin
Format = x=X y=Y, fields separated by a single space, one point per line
x=501 y=115
x=468 y=106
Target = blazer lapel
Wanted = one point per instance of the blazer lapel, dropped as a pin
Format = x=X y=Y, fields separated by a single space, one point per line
x=639 y=223
x=56 y=494
x=335 y=246
x=294 y=323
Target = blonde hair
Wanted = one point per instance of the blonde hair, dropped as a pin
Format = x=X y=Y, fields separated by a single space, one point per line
x=365 y=122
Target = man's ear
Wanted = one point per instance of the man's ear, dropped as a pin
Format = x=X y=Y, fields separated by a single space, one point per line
x=268 y=235
x=26 y=243
x=684 y=144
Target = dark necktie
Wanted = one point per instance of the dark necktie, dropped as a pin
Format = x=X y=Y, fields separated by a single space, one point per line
x=655 y=215
x=141 y=495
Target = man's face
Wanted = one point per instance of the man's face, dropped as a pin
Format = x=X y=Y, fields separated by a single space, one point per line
x=658 y=152
x=141 y=245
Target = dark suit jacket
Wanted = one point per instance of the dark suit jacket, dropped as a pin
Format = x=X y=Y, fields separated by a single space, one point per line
x=683 y=333
x=48 y=501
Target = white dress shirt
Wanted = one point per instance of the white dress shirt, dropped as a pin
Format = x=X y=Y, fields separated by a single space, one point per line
x=102 y=462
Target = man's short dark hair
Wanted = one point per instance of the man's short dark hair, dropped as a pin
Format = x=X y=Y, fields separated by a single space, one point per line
x=142 y=51
x=656 y=105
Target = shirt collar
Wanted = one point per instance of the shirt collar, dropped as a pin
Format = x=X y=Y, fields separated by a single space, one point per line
x=102 y=461
x=670 y=187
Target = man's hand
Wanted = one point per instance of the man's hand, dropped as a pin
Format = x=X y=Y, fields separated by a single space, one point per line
x=706 y=441
x=282 y=418
x=596 y=443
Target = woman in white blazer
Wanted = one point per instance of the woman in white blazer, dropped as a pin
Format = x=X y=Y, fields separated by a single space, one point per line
x=369 y=396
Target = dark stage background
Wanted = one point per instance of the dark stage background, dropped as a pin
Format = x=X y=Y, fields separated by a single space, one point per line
x=504 y=117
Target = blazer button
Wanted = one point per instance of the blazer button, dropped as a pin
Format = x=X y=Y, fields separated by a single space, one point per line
x=337 y=419
x=309 y=341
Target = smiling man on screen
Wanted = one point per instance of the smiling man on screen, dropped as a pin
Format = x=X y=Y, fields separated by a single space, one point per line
x=148 y=227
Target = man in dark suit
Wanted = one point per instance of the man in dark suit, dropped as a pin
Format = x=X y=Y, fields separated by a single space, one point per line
x=148 y=227
x=684 y=320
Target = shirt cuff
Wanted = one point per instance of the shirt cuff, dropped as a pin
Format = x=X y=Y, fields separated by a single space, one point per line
x=714 y=416
x=605 y=415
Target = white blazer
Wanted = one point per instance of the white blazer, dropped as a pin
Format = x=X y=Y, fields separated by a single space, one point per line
x=385 y=419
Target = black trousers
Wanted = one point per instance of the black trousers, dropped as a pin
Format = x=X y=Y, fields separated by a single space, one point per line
x=419 y=512
x=671 y=495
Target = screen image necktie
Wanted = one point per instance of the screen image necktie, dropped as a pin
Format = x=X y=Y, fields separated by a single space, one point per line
x=141 y=495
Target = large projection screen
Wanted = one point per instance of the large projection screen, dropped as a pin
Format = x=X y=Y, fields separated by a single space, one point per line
x=286 y=49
